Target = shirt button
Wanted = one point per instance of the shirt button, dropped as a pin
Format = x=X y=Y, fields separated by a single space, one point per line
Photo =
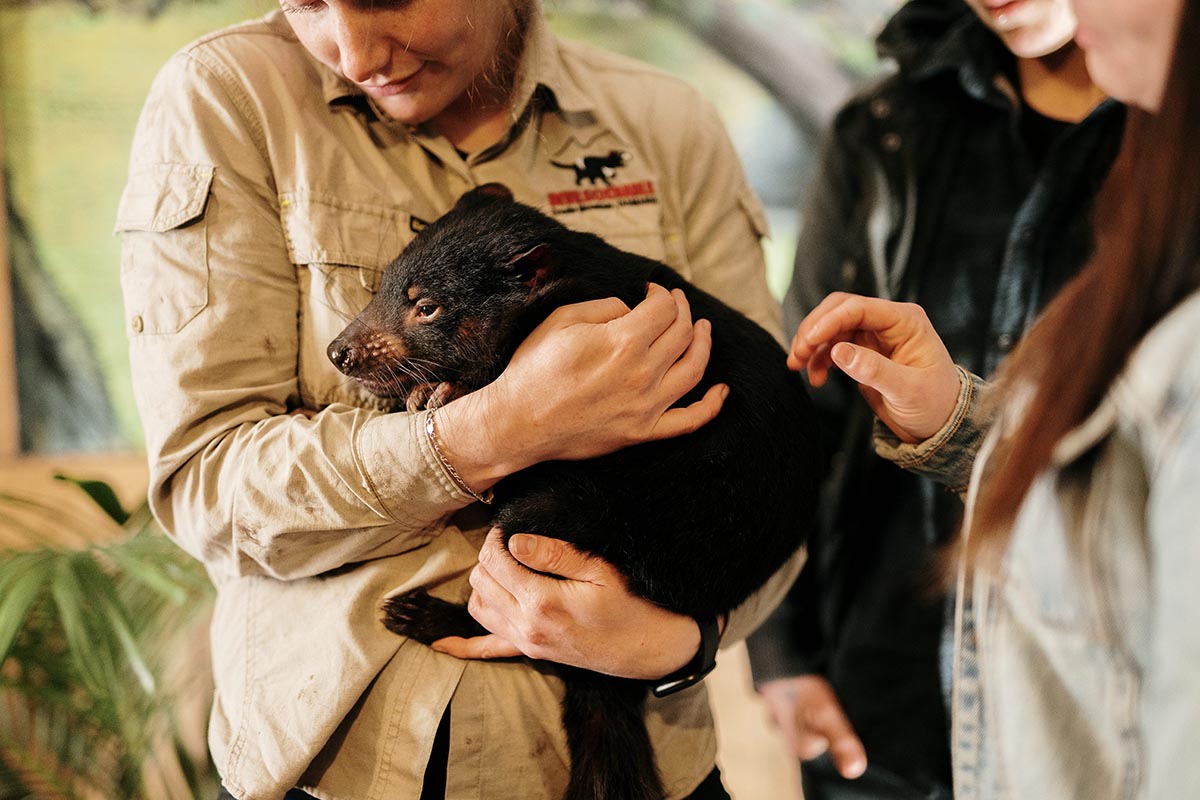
x=1004 y=341
x=891 y=142
x=136 y=323
x=880 y=108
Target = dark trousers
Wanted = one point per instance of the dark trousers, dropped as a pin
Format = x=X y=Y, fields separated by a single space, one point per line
x=435 y=775
x=711 y=789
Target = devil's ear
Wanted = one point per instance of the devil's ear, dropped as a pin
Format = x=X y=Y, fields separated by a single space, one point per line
x=533 y=267
x=484 y=193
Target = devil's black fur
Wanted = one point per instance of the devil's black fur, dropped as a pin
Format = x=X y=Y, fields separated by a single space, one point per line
x=696 y=523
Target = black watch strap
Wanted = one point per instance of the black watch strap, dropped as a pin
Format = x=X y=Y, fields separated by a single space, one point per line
x=694 y=671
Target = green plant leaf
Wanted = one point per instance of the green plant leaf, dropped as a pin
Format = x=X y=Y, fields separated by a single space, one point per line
x=38 y=775
x=102 y=494
x=99 y=585
x=88 y=629
x=148 y=574
x=22 y=577
x=90 y=645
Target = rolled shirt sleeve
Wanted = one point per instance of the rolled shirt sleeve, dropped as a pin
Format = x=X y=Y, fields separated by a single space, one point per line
x=212 y=308
x=948 y=456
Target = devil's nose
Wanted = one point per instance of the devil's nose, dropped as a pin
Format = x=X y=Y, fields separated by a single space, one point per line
x=342 y=354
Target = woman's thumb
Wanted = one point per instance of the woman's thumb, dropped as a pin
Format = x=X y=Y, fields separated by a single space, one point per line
x=866 y=367
x=552 y=556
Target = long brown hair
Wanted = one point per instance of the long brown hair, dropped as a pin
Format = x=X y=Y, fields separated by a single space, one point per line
x=501 y=73
x=1147 y=260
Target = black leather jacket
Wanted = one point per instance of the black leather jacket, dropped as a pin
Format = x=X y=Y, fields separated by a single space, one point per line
x=927 y=191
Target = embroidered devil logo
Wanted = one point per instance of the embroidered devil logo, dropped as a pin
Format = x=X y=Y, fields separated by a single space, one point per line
x=597 y=168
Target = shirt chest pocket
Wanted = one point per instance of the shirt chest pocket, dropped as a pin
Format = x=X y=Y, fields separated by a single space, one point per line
x=164 y=255
x=340 y=249
x=636 y=228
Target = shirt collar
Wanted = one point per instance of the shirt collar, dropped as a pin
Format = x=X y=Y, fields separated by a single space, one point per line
x=542 y=68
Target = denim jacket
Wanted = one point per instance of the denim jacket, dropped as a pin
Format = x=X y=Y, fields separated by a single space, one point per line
x=1077 y=668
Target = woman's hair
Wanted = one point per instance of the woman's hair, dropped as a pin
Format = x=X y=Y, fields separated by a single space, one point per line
x=1147 y=260
x=512 y=33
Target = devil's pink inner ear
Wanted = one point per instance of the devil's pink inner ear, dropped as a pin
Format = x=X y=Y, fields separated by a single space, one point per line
x=533 y=265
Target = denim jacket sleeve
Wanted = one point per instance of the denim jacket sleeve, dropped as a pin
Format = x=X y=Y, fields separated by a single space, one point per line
x=1169 y=701
x=948 y=456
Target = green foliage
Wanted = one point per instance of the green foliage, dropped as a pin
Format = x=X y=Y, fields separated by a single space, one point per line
x=89 y=637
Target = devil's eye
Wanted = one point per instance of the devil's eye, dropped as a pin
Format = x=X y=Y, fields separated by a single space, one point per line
x=426 y=310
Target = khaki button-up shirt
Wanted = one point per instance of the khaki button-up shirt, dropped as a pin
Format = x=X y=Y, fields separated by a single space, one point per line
x=265 y=197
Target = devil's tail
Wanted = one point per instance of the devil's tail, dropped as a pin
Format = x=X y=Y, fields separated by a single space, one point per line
x=611 y=755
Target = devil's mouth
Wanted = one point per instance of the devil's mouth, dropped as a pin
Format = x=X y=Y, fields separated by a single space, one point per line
x=390 y=389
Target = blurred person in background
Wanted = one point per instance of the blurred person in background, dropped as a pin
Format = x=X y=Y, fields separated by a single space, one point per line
x=964 y=182
x=1077 y=628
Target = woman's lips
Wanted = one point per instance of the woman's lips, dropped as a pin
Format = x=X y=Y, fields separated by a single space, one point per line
x=392 y=87
x=1004 y=9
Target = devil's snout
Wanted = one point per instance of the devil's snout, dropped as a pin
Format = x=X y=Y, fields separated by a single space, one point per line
x=343 y=354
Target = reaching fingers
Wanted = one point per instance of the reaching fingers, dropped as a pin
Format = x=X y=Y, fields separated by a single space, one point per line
x=491 y=603
x=678 y=421
x=827 y=722
x=477 y=647
x=687 y=370
x=842 y=317
x=803 y=344
x=654 y=317
x=671 y=342
x=870 y=369
x=848 y=755
x=596 y=312
x=817 y=365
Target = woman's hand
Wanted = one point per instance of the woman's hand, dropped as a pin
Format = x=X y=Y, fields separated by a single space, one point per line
x=585 y=617
x=891 y=350
x=808 y=714
x=591 y=379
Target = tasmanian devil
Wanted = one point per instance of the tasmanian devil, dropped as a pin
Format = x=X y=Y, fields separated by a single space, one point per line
x=695 y=523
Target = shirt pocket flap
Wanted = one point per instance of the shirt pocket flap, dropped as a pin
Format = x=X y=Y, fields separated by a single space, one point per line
x=753 y=208
x=161 y=197
x=321 y=229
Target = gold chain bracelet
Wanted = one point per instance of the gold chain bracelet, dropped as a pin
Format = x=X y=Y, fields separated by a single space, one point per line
x=431 y=432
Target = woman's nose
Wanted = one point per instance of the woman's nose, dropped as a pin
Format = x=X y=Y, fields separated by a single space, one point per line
x=364 y=49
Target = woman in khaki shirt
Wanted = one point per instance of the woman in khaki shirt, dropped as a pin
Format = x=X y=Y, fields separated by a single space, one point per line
x=278 y=166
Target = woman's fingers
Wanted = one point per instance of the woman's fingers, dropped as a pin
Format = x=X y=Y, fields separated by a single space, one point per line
x=891 y=350
x=660 y=324
x=678 y=421
x=869 y=368
x=676 y=337
x=686 y=370
x=589 y=312
x=477 y=647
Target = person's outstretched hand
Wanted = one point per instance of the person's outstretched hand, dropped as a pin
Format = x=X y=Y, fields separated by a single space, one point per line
x=808 y=714
x=586 y=617
x=891 y=350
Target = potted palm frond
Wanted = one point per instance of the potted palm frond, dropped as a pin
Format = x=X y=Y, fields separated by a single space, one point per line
x=98 y=658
